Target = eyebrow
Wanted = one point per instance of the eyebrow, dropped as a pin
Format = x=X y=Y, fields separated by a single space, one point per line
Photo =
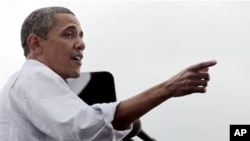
x=74 y=28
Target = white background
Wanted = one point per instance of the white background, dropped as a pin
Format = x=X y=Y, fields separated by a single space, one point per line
x=143 y=43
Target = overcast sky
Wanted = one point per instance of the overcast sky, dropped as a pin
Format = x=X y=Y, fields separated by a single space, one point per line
x=143 y=43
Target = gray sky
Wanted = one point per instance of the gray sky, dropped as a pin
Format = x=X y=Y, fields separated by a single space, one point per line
x=143 y=43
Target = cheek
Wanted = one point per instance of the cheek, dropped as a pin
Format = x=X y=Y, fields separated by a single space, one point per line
x=62 y=56
x=59 y=50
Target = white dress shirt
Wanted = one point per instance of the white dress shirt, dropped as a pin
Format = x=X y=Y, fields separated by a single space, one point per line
x=36 y=104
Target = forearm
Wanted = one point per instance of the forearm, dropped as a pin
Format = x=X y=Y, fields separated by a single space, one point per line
x=133 y=108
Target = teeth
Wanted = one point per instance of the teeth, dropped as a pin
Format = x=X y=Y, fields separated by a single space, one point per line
x=78 y=58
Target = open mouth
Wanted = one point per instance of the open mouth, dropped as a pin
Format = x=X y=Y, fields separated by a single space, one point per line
x=77 y=57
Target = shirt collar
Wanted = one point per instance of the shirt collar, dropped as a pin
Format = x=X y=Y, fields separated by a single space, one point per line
x=33 y=63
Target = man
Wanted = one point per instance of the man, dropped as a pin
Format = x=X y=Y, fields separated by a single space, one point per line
x=36 y=104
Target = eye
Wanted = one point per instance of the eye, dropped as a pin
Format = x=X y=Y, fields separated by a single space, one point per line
x=69 y=34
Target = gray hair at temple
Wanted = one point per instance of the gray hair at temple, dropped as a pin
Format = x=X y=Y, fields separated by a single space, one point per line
x=40 y=22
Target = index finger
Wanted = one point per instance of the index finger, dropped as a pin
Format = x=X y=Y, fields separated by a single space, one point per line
x=203 y=65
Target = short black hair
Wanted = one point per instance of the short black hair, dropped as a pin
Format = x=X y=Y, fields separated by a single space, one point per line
x=40 y=22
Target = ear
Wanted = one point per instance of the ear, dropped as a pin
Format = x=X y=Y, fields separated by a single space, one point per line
x=33 y=43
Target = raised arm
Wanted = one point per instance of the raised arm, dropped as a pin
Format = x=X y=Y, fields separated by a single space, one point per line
x=193 y=79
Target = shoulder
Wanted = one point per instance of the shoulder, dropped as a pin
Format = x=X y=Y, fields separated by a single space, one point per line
x=35 y=72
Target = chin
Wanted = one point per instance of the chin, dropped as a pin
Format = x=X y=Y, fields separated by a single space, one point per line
x=72 y=75
x=75 y=75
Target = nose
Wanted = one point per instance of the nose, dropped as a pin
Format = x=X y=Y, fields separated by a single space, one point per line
x=80 y=45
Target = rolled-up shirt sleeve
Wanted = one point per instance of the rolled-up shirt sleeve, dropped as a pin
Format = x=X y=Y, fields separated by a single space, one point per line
x=60 y=114
x=107 y=110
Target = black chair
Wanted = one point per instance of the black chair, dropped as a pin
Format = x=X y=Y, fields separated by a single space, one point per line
x=99 y=87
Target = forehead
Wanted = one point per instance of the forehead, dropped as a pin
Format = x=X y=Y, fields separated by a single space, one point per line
x=63 y=20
